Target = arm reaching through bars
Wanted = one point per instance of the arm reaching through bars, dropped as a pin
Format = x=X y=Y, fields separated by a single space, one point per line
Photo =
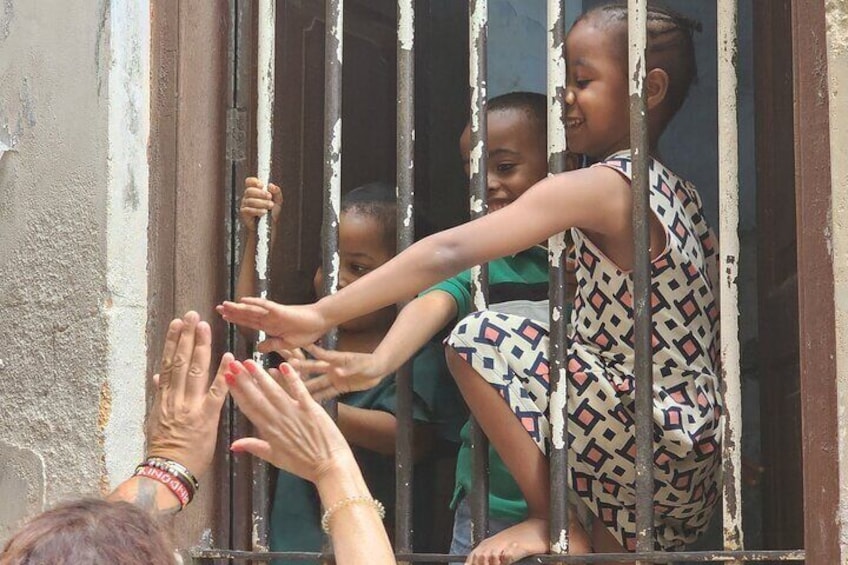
x=342 y=371
x=255 y=203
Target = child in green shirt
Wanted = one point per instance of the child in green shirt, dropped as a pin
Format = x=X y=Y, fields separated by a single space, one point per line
x=366 y=418
x=519 y=283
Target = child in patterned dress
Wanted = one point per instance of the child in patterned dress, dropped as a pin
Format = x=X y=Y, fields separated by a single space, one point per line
x=499 y=361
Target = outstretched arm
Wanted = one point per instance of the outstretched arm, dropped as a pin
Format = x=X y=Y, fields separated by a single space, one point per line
x=596 y=199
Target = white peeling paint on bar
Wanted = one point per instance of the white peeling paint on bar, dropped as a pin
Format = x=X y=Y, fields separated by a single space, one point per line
x=478 y=23
x=560 y=545
x=558 y=400
x=556 y=80
x=728 y=166
x=335 y=195
x=406 y=25
x=407 y=217
x=264 y=136
x=638 y=39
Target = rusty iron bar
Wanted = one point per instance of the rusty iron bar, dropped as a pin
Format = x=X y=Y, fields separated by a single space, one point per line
x=236 y=501
x=637 y=37
x=557 y=248
x=333 y=44
x=405 y=237
x=792 y=555
x=478 y=25
x=264 y=141
x=728 y=167
x=333 y=48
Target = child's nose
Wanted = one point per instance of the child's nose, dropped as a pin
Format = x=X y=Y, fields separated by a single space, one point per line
x=569 y=96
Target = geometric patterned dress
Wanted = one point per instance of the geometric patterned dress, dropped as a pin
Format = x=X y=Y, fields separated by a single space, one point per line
x=510 y=352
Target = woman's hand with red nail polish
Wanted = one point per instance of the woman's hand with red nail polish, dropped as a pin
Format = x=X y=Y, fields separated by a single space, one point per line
x=296 y=433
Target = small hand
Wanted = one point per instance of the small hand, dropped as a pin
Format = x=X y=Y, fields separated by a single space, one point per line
x=256 y=202
x=295 y=433
x=338 y=372
x=183 y=423
x=296 y=326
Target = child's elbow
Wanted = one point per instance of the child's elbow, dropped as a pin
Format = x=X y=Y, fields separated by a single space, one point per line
x=446 y=257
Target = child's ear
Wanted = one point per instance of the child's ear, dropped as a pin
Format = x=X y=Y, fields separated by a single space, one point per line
x=657 y=86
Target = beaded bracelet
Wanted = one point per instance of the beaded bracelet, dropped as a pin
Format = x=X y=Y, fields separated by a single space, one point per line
x=174 y=484
x=177 y=469
x=328 y=514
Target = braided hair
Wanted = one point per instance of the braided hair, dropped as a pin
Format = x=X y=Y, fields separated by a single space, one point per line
x=670 y=45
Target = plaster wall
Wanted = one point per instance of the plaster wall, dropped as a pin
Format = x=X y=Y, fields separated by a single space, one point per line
x=837 y=51
x=73 y=142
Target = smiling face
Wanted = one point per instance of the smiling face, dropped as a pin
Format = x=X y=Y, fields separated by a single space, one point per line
x=363 y=246
x=598 y=116
x=517 y=154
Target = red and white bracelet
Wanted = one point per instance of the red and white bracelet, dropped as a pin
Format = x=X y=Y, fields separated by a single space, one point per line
x=174 y=484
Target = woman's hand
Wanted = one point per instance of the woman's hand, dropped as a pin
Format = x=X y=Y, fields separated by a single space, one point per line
x=256 y=202
x=183 y=424
x=296 y=326
x=295 y=433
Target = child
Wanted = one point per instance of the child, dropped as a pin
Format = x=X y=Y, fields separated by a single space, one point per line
x=366 y=419
x=517 y=159
x=499 y=361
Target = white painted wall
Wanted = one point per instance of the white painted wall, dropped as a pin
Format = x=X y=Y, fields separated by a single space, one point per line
x=73 y=229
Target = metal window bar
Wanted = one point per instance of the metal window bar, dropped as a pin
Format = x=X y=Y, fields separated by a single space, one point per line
x=478 y=26
x=558 y=340
x=728 y=172
x=637 y=38
x=405 y=235
x=728 y=166
x=264 y=141
x=333 y=51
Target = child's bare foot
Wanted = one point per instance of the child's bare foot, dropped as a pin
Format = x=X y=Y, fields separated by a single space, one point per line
x=529 y=537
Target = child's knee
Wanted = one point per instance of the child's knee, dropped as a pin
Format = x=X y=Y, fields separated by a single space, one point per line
x=456 y=363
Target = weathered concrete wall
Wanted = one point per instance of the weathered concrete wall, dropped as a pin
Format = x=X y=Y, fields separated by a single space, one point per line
x=72 y=196
x=837 y=50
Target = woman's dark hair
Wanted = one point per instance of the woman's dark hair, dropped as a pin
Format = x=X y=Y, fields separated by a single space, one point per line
x=670 y=45
x=90 y=531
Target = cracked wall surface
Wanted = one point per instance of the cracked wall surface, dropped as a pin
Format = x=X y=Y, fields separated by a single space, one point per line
x=56 y=61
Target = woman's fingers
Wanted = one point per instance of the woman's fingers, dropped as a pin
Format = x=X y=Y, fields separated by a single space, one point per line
x=296 y=387
x=256 y=447
x=267 y=386
x=217 y=394
x=172 y=338
x=197 y=378
x=183 y=355
x=251 y=401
